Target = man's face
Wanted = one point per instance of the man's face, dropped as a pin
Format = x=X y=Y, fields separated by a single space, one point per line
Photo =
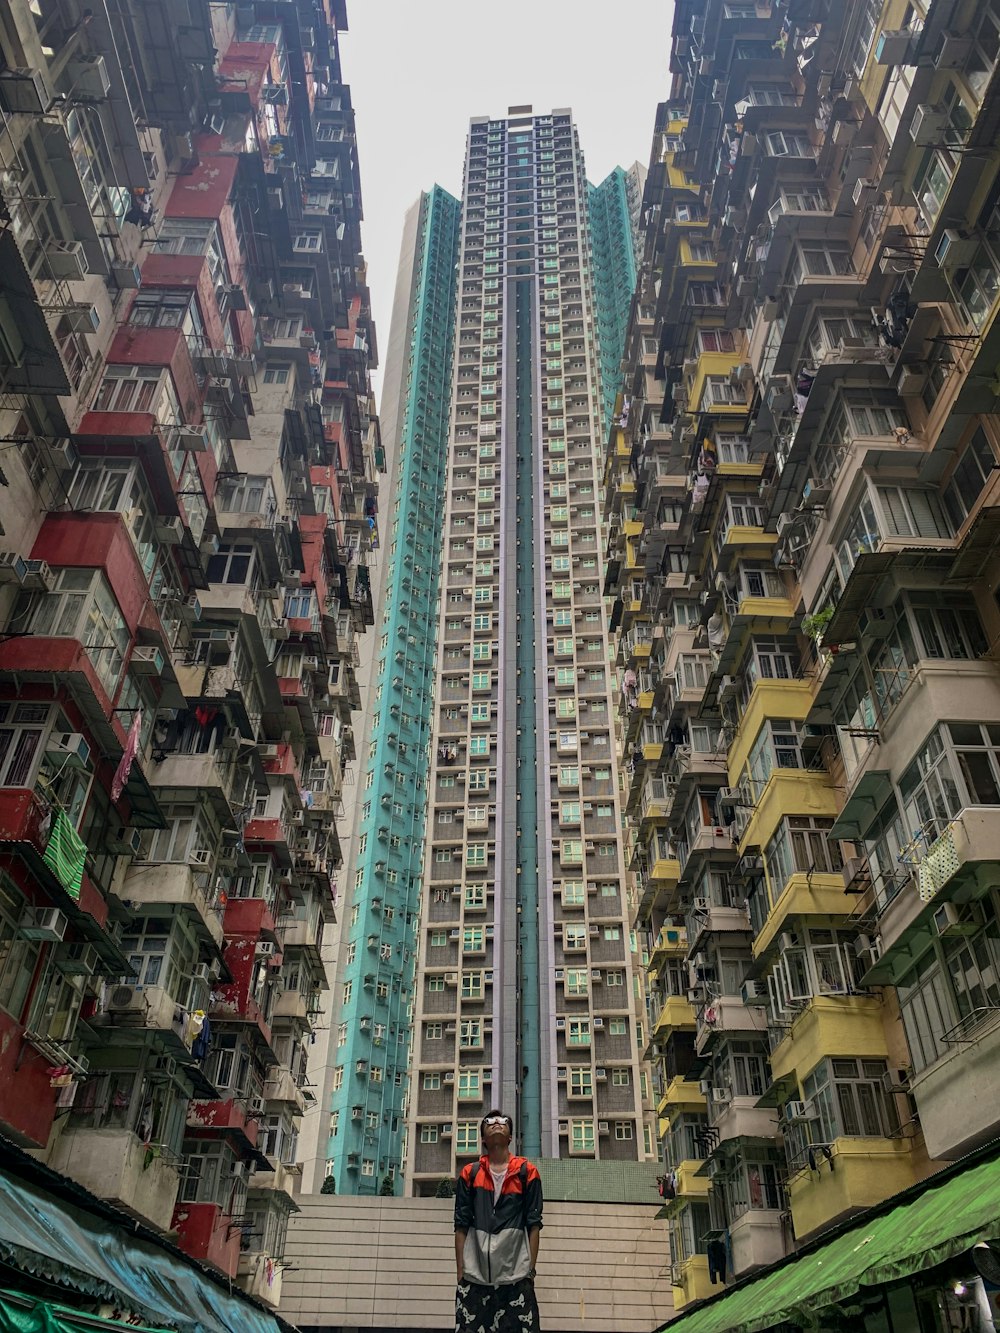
x=496 y=1137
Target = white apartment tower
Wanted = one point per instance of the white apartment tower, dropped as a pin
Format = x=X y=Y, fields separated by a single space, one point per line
x=525 y=994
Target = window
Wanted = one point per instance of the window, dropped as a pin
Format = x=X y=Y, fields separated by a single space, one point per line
x=958 y=765
x=431 y=1082
x=470 y=1085
x=435 y=984
x=433 y=1031
x=581 y=1081
x=278 y=372
x=577 y=982
x=785 y=144
x=623 y=1130
x=472 y=985
x=621 y=1078
x=578 y=1032
x=969 y=478
x=850 y=1100
x=428 y=1133
x=618 y=1027
x=81 y=606
x=581 y=1136
x=467 y=1137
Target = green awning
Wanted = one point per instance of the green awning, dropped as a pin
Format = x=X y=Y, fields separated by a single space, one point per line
x=934 y=1222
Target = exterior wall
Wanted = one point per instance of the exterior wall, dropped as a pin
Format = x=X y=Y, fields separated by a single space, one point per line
x=599 y=1267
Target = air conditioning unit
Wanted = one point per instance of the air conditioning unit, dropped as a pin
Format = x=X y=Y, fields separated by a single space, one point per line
x=126 y=843
x=68 y=749
x=44 y=923
x=720 y=1095
x=816 y=493
x=603 y=1127
x=753 y=993
x=127 y=276
x=598 y=1022
x=255 y=1106
x=67 y=259
x=38 y=577
x=875 y=623
x=601 y=1074
x=954 y=250
x=24 y=91
x=727 y=686
x=125 y=1000
x=451 y=979
x=700 y=905
x=896 y=1080
x=798 y=1111
x=705 y=1086
x=949 y=921
x=264 y=948
x=191 y=440
x=78 y=960
x=893 y=46
x=61 y=453
x=448 y=1077
x=911 y=381
x=953 y=51
x=82 y=318
x=928 y=125
x=12 y=567
x=169 y=530
x=146 y=661
x=89 y=76
x=446 y=1131
x=865 y=192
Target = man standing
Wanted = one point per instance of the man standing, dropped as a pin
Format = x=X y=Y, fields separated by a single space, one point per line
x=498 y=1220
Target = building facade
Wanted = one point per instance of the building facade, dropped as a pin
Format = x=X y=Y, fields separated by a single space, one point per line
x=190 y=510
x=614 y=209
x=803 y=556
x=524 y=994
x=367 y=1056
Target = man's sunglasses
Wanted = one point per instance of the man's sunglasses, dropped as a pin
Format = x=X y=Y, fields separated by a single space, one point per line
x=496 y=1120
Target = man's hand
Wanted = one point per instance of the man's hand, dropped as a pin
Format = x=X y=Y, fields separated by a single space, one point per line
x=459 y=1255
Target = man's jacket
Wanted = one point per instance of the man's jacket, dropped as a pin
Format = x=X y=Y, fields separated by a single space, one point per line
x=496 y=1244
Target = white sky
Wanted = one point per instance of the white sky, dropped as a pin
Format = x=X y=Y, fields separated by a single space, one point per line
x=419 y=69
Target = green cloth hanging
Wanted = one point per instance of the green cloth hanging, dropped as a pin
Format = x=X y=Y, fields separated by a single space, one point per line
x=66 y=854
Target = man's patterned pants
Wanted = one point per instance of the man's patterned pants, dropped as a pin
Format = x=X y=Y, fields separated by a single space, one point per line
x=511 y=1308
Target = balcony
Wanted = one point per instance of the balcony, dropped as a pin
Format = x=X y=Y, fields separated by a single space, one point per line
x=670 y=942
x=815 y=894
x=172 y=885
x=691 y=1280
x=260 y=1277
x=724 y=1013
x=281 y=1087
x=862 y=1172
x=955 y=1095
x=229 y=1117
x=116 y=1165
x=146 y=1007
x=676 y=1015
x=740 y=1118
x=847 y=1025
x=756 y=1239
x=213 y=775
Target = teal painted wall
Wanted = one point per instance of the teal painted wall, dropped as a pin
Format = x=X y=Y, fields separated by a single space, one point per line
x=375 y=984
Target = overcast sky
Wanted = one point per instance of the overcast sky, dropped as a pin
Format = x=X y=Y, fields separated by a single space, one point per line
x=419 y=71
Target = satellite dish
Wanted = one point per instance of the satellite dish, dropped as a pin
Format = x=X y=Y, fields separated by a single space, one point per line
x=986 y=1259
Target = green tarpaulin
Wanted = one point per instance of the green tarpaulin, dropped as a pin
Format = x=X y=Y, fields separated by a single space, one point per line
x=944 y=1220
x=66 y=854
x=27 y=1314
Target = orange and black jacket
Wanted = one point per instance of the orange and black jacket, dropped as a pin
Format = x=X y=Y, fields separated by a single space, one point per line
x=496 y=1243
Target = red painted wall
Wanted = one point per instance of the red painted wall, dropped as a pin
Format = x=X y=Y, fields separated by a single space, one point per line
x=27 y=1103
x=202 y=193
x=203 y=1231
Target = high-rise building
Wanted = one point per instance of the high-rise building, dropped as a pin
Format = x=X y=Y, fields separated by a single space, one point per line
x=524 y=993
x=804 y=555
x=364 y=1067
x=614 y=208
x=188 y=502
